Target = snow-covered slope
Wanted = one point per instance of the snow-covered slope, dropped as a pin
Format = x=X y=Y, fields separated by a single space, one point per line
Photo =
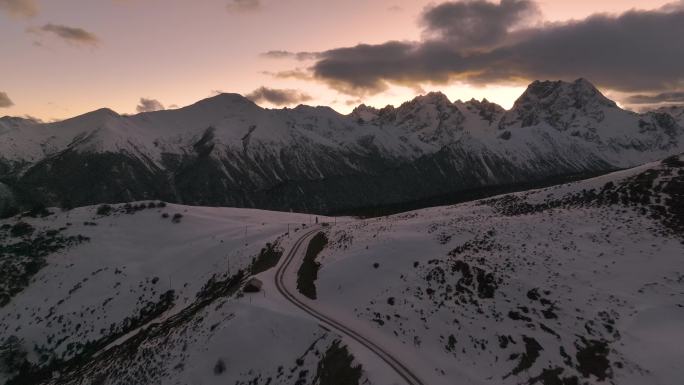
x=575 y=284
x=227 y=151
x=149 y=293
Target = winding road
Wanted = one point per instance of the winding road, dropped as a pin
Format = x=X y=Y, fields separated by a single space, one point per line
x=402 y=370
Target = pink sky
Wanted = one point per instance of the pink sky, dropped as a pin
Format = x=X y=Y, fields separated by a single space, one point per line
x=180 y=51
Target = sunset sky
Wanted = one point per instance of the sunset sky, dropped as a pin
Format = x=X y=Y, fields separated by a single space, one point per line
x=63 y=58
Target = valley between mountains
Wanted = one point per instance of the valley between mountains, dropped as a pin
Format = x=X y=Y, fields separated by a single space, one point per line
x=577 y=283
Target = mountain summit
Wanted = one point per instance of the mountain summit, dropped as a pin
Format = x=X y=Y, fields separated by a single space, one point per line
x=559 y=104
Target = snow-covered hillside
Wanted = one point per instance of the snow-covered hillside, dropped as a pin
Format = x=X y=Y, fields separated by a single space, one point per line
x=227 y=151
x=149 y=292
x=573 y=284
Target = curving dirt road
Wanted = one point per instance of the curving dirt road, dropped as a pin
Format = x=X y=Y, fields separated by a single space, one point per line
x=292 y=296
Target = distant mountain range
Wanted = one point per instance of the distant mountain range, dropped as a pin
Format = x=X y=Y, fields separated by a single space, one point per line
x=227 y=151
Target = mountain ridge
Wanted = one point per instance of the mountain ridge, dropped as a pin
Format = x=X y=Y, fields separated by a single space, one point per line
x=228 y=151
x=534 y=87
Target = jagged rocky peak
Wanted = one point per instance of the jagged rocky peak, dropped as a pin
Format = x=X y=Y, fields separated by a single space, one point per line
x=421 y=111
x=364 y=113
x=487 y=110
x=432 y=118
x=425 y=109
x=558 y=104
x=314 y=110
x=677 y=112
x=436 y=98
x=559 y=94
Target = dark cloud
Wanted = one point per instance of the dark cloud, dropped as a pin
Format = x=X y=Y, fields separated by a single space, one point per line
x=5 y=101
x=477 y=24
x=19 y=8
x=243 y=5
x=638 y=51
x=149 y=105
x=278 y=97
x=664 y=97
x=280 y=54
x=367 y=69
x=353 y=102
x=70 y=34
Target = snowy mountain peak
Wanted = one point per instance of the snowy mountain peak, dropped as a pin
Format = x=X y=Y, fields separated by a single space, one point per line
x=488 y=111
x=431 y=98
x=423 y=111
x=102 y=112
x=220 y=102
x=365 y=113
x=558 y=104
x=9 y=123
x=15 y=122
x=90 y=120
x=559 y=94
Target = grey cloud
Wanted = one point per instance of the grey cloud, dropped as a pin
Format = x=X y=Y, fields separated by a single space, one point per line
x=665 y=97
x=5 y=101
x=149 y=105
x=280 y=54
x=395 y=8
x=367 y=69
x=297 y=73
x=479 y=23
x=353 y=102
x=278 y=97
x=70 y=34
x=19 y=8
x=637 y=51
x=243 y=5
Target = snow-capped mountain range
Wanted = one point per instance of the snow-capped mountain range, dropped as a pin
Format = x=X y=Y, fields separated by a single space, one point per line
x=227 y=151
